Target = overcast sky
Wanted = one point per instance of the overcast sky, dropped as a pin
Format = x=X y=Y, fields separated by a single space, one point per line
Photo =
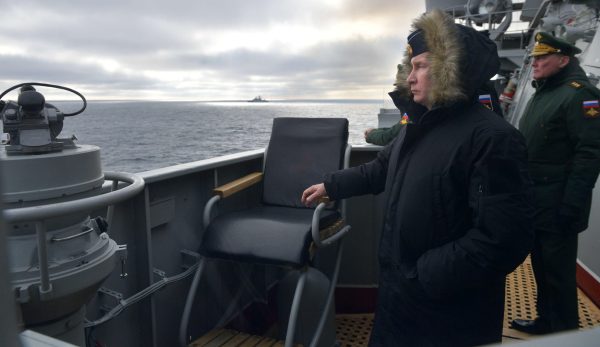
x=206 y=49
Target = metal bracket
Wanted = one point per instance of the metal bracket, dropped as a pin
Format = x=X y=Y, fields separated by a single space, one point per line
x=122 y=253
x=22 y=295
x=104 y=294
x=189 y=258
x=160 y=273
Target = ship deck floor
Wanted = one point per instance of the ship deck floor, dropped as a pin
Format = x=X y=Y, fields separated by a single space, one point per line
x=354 y=330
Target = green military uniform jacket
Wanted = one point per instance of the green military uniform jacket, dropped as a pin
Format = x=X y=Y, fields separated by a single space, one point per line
x=383 y=136
x=561 y=125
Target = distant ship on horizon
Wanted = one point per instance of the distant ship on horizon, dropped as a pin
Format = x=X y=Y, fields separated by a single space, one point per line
x=258 y=99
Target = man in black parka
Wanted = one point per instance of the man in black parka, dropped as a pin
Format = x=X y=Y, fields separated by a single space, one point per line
x=458 y=211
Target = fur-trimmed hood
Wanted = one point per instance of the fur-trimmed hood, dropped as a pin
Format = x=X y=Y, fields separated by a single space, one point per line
x=462 y=59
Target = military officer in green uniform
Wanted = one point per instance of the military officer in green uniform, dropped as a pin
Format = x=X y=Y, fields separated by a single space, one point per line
x=383 y=136
x=561 y=125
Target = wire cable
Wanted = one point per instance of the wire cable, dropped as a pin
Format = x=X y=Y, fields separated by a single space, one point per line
x=123 y=304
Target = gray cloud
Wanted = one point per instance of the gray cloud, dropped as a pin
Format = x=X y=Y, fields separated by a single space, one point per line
x=125 y=48
x=400 y=11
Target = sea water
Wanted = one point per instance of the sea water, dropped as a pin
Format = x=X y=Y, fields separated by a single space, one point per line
x=137 y=136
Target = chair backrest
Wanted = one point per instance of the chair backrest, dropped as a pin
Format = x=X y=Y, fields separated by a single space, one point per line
x=300 y=152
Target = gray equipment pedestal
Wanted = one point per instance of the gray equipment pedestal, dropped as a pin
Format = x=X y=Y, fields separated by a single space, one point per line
x=56 y=263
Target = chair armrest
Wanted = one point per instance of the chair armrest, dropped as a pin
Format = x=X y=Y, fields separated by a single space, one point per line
x=208 y=210
x=240 y=184
x=316 y=231
x=229 y=189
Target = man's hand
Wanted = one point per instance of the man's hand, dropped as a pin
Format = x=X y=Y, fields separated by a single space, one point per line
x=367 y=131
x=313 y=193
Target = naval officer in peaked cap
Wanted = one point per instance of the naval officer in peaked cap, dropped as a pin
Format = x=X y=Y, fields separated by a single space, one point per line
x=561 y=125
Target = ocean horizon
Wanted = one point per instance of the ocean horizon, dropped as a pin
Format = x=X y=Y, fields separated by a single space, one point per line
x=351 y=101
x=136 y=136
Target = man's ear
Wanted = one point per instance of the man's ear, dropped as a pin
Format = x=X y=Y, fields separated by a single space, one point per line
x=564 y=60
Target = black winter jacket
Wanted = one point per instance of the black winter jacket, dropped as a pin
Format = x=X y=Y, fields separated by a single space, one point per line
x=458 y=205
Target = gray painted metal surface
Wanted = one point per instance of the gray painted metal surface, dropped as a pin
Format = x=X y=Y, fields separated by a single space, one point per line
x=47 y=176
x=8 y=316
x=58 y=255
x=158 y=245
x=388 y=117
x=30 y=338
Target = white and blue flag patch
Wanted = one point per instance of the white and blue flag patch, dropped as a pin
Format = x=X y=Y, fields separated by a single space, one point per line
x=590 y=109
x=486 y=100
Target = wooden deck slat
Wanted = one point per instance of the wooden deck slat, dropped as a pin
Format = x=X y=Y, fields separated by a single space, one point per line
x=251 y=341
x=222 y=338
x=266 y=342
x=232 y=338
x=206 y=338
x=236 y=340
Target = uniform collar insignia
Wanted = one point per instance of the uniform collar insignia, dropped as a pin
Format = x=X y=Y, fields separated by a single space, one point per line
x=575 y=84
x=405 y=120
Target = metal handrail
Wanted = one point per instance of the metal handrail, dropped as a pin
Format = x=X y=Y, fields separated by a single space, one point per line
x=71 y=237
x=42 y=212
x=39 y=214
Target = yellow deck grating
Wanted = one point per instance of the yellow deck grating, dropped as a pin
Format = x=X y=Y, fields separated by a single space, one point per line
x=520 y=302
x=354 y=330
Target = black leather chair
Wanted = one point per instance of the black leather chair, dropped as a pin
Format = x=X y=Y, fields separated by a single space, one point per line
x=281 y=231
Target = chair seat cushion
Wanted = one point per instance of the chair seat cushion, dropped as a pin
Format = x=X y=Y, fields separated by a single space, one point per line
x=265 y=234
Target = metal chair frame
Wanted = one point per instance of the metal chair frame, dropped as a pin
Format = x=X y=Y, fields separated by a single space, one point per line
x=318 y=242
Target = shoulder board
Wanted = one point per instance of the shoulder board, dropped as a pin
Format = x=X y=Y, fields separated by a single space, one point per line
x=576 y=85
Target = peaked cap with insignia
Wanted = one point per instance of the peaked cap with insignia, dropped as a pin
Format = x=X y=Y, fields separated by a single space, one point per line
x=545 y=43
